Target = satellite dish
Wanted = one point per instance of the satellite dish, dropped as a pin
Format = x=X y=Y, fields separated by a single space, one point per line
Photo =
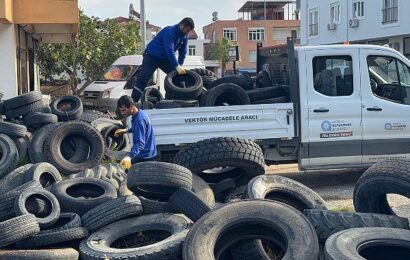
x=131 y=11
x=215 y=16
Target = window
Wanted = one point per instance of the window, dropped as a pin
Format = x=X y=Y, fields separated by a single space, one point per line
x=252 y=56
x=281 y=34
x=358 y=9
x=314 y=22
x=191 y=50
x=230 y=34
x=406 y=47
x=390 y=11
x=257 y=34
x=333 y=76
x=389 y=79
x=335 y=12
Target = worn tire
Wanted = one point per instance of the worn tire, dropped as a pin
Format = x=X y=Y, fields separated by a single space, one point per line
x=9 y=155
x=111 y=211
x=168 y=104
x=79 y=195
x=285 y=190
x=18 y=228
x=382 y=178
x=189 y=204
x=36 y=146
x=158 y=179
x=40 y=254
x=203 y=190
x=90 y=116
x=12 y=129
x=242 y=81
x=24 y=110
x=177 y=90
x=263 y=79
x=14 y=179
x=282 y=225
x=45 y=173
x=150 y=206
x=22 y=144
x=39 y=119
x=264 y=93
x=23 y=100
x=227 y=93
x=72 y=113
x=65 y=221
x=169 y=248
x=151 y=95
x=368 y=243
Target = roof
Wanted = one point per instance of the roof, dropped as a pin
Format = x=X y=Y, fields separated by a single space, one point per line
x=250 y=5
x=126 y=20
x=192 y=35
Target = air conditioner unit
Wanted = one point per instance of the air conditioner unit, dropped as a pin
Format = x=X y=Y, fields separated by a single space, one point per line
x=353 y=23
x=331 y=27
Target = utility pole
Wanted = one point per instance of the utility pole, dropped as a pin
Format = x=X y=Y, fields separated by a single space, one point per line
x=143 y=24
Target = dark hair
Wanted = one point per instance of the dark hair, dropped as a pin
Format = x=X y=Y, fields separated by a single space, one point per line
x=125 y=101
x=188 y=22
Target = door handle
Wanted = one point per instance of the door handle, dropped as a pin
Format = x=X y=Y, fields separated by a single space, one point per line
x=321 y=110
x=376 y=109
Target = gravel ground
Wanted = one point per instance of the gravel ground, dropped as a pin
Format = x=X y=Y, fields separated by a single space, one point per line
x=336 y=186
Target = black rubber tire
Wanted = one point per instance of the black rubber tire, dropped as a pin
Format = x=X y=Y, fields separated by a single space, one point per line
x=258 y=94
x=236 y=194
x=84 y=130
x=44 y=218
x=111 y=211
x=176 y=90
x=285 y=190
x=75 y=108
x=18 y=228
x=112 y=173
x=327 y=222
x=23 y=100
x=226 y=93
x=14 y=179
x=90 y=193
x=369 y=243
x=158 y=179
x=40 y=254
x=382 y=178
x=22 y=147
x=282 y=225
x=154 y=206
x=189 y=204
x=223 y=186
x=246 y=156
x=43 y=109
x=65 y=221
x=281 y=99
x=12 y=130
x=90 y=116
x=263 y=79
x=151 y=95
x=2 y=108
x=204 y=72
x=243 y=81
x=38 y=119
x=36 y=147
x=53 y=238
x=122 y=143
x=169 y=248
x=45 y=173
x=169 y=104
x=203 y=190
x=9 y=155
x=24 y=110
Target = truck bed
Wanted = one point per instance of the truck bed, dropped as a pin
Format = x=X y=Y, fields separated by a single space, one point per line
x=188 y=125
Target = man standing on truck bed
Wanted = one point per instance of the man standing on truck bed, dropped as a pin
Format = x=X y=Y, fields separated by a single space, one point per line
x=160 y=53
x=143 y=147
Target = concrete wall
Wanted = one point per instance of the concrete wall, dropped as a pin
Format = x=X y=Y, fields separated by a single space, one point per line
x=8 y=61
x=199 y=46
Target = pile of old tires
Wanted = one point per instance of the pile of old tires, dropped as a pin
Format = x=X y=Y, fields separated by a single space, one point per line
x=201 y=87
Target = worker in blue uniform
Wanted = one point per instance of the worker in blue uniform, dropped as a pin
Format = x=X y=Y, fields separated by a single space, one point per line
x=161 y=53
x=143 y=147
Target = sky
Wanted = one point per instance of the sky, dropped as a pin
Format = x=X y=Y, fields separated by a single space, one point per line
x=166 y=12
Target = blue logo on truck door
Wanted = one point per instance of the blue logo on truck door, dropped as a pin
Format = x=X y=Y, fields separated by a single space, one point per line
x=327 y=126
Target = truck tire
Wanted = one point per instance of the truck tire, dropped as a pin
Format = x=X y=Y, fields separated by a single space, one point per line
x=12 y=130
x=151 y=95
x=207 y=76
x=281 y=99
x=189 y=204
x=79 y=195
x=263 y=79
x=40 y=254
x=203 y=190
x=37 y=120
x=65 y=221
x=382 y=178
x=23 y=100
x=67 y=108
x=259 y=94
x=328 y=223
x=226 y=94
x=158 y=179
x=85 y=131
x=90 y=116
x=168 y=248
x=285 y=190
x=18 y=228
x=168 y=104
x=150 y=206
x=111 y=211
x=45 y=173
x=9 y=155
x=282 y=225
x=243 y=81
x=35 y=149
x=186 y=87
x=46 y=216
x=243 y=155
x=368 y=243
x=14 y=179
x=24 y=110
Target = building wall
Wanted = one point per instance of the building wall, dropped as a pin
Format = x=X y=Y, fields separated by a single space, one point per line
x=8 y=61
x=245 y=45
x=199 y=46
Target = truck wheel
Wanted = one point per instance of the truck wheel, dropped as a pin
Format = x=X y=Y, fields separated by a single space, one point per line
x=282 y=99
x=40 y=254
x=226 y=94
x=327 y=222
x=285 y=190
x=382 y=178
x=9 y=155
x=282 y=225
x=186 y=87
x=258 y=94
x=18 y=228
x=189 y=204
x=67 y=108
x=369 y=243
x=170 y=231
x=243 y=81
x=12 y=130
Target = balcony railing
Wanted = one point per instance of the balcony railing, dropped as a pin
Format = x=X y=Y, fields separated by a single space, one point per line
x=390 y=15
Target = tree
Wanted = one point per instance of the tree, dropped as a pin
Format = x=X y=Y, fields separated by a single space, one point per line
x=97 y=45
x=221 y=53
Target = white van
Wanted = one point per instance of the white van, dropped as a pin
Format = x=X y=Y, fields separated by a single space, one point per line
x=120 y=78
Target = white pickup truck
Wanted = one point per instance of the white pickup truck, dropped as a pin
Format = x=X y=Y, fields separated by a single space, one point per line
x=349 y=107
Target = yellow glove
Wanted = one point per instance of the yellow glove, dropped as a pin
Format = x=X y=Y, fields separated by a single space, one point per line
x=126 y=163
x=120 y=131
x=181 y=70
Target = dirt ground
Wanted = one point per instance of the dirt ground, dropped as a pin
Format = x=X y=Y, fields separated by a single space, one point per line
x=336 y=186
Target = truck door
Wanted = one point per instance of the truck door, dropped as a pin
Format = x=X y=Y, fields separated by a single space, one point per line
x=334 y=108
x=386 y=105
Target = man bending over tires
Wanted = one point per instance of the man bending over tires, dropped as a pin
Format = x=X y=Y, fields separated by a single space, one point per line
x=143 y=147
x=160 y=53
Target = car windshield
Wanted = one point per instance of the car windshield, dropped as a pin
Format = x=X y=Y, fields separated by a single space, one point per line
x=119 y=73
